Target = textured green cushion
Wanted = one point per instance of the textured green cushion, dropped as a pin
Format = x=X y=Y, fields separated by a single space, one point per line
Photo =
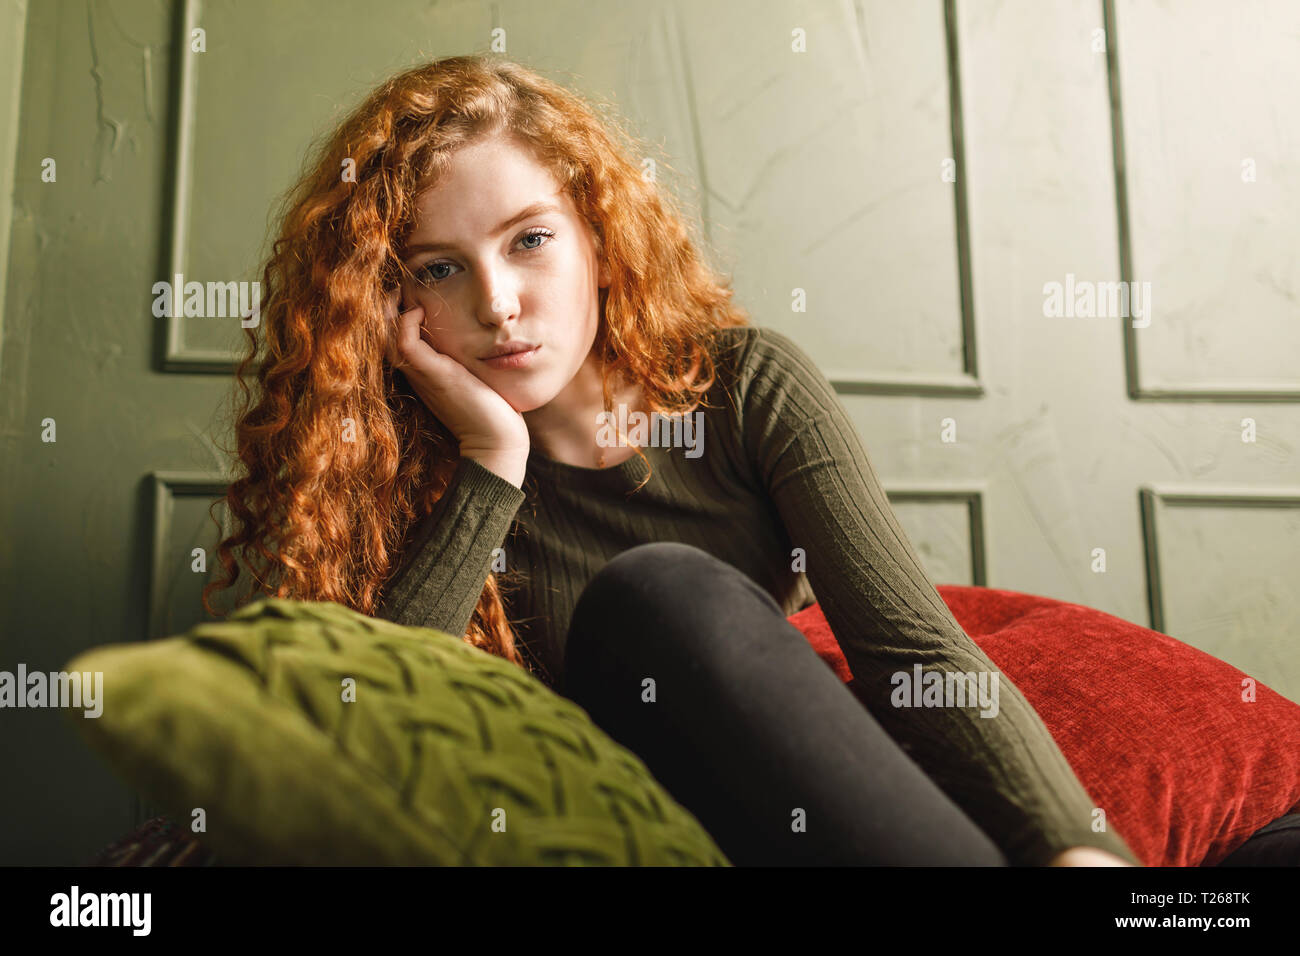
x=246 y=719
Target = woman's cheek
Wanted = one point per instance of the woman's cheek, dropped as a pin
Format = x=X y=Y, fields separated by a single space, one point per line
x=435 y=309
x=417 y=293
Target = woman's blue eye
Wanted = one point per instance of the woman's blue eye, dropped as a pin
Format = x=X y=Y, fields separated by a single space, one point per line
x=540 y=234
x=427 y=271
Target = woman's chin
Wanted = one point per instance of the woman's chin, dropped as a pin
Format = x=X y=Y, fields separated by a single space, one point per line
x=525 y=400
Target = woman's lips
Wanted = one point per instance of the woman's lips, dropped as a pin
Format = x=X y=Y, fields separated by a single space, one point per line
x=513 y=360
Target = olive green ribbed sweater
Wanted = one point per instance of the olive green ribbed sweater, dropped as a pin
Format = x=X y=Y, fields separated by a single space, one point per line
x=782 y=468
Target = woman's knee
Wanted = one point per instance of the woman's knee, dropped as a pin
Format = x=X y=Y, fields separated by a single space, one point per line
x=653 y=563
x=668 y=600
x=666 y=585
x=622 y=600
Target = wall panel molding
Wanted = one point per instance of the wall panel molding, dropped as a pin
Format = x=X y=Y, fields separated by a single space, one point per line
x=1160 y=391
x=1152 y=499
x=167 y=487
x=971 y=495
x=966 y=383
x=176 y=355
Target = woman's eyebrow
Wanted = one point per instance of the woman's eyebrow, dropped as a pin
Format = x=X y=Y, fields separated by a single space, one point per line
x=536 y=209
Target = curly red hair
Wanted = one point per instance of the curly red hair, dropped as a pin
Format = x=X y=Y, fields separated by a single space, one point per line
x=318 y=518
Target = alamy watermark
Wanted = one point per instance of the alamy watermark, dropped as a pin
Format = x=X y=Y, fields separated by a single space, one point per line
x=946 y=689
x=655 y=430
x=213 y=300
x=55 y=689
x=102 y=909
x=1085 y=299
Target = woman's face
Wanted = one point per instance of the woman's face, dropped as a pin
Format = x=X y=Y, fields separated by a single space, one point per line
x=498 y=254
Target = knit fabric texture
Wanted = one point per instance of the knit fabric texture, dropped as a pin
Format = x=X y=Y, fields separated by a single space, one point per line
x=307 y=734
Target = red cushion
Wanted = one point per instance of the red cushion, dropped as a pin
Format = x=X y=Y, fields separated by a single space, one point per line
x=1157 y=731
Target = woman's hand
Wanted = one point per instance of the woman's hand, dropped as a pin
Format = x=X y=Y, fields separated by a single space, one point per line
x=1087 y=856
x=486 y=426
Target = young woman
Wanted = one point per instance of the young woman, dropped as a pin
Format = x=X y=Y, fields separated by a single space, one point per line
x=396 y=460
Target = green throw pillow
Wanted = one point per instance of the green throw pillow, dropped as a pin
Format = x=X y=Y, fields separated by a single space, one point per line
x=447 y=755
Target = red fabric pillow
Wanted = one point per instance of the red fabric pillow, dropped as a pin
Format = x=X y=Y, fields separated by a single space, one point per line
x=1157 y=731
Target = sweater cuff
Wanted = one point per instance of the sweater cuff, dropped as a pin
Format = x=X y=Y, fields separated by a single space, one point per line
x=485 y=487
x=1045 y=847
x=447 y=559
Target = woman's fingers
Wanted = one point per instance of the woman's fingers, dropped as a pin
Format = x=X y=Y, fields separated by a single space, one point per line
x=408 y=335
x=405 y=329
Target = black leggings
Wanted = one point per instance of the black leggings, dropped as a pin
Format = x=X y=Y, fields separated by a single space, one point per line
x=749 y=725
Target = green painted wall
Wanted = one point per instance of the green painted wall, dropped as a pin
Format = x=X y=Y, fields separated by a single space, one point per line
x=78 y=349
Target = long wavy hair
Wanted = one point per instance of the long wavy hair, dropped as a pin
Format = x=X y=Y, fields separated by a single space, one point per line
x=315 y=517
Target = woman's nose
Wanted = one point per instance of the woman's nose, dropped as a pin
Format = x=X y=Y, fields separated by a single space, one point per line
x=498 y=307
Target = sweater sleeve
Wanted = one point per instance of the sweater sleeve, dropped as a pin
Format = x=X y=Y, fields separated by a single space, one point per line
x=449 y=553
x=1006 y=772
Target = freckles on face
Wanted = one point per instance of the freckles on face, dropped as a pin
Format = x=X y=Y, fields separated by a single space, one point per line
x=442 y=326
x=499 y=253
x=551 y=301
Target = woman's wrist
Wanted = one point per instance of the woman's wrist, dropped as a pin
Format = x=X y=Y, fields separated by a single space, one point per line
x=510 y=465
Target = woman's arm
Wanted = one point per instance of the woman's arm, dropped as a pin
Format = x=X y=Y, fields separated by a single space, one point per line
x=1005 y=771
x=449 y=554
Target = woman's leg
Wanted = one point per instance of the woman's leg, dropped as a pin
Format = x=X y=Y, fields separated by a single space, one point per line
x=748 y=726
